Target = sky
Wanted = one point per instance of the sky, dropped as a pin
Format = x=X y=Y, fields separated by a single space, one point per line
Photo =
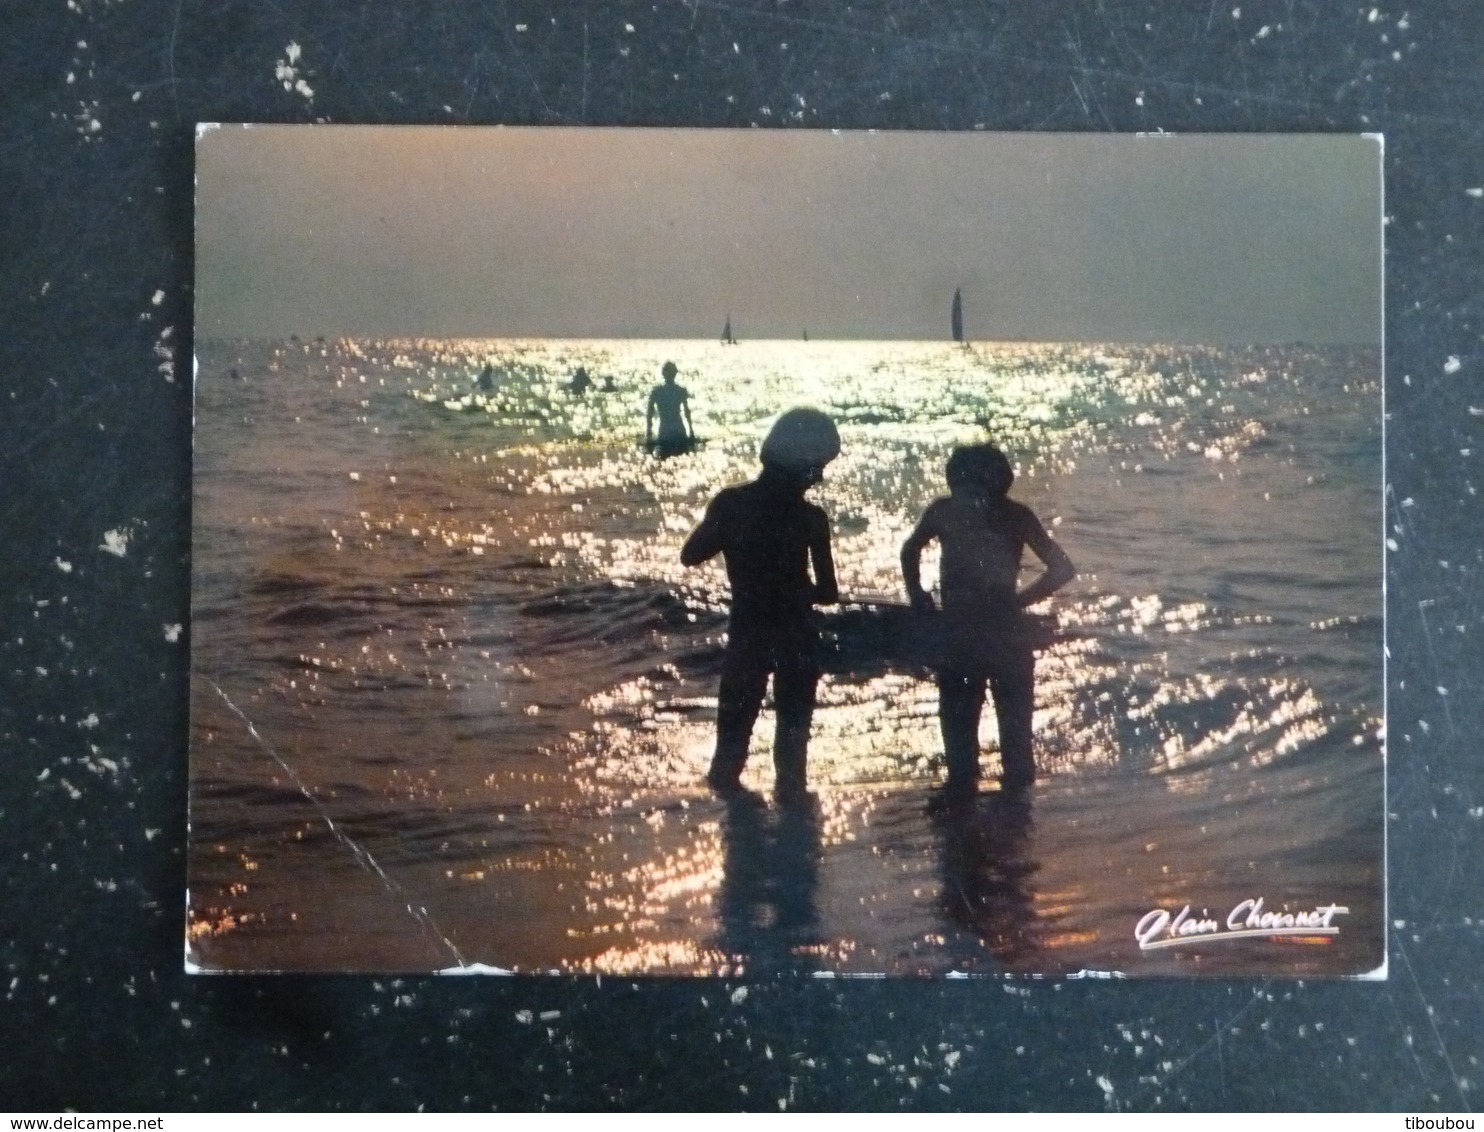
x=579 y=232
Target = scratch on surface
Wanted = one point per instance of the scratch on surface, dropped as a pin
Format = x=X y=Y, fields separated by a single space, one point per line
x=361 y=853
x=170 y=60
x=530 y=76
x=1245 y=95
x=1220 y=1062
x=1463 y=1099
x=1436 y=673
x=1086 y=110
x=1215 y=1040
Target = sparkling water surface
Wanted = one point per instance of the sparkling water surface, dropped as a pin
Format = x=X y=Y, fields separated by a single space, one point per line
x=453 y=693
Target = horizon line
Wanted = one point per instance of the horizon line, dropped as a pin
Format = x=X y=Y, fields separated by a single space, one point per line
x=306 y=336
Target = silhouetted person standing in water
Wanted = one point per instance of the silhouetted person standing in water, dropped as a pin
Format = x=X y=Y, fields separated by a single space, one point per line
x=672 y=403
x=771 y=537
x=982 y=533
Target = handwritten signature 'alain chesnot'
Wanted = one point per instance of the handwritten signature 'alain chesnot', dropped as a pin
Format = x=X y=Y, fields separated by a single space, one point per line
x=1161 y=928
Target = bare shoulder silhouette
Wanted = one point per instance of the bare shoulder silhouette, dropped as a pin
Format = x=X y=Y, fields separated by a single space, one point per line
x=983 y=534
x=776 y=549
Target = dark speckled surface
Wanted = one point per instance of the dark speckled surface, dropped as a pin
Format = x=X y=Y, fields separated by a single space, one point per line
x=101 y=98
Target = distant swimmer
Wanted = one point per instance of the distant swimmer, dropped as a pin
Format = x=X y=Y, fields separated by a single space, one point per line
x=580 y=382
x=776 y=546
x=982 y=533
x=609 y=385
x=486 y=380
x=672 y=403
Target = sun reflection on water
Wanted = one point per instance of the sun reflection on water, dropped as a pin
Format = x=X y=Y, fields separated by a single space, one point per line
x=484 y=656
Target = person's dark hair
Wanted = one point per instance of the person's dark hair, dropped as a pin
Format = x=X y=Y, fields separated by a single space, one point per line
x=669 y=370
x=800 y=440
x=983 y=465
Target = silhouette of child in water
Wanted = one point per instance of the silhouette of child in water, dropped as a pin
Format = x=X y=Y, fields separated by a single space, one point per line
x=982 y=533
x=770 y=537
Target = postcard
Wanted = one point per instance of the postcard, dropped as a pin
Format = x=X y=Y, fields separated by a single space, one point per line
x=786 y=553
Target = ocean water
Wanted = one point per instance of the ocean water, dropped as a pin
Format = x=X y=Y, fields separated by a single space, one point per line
x=453 y=693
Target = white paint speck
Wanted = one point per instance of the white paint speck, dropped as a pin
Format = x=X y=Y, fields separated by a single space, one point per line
x=1475 y=193
x=157 y=298
x=1452 y=365
x=286 y=72
x=172 y=632
x=163 y=350
x=524 y=1017
x=90 y=722
x=65 y=567
x=1107 y=1087
x=739 y=995
x=116 y=542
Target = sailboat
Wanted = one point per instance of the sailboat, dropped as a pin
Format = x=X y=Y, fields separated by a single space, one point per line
x=726 y=333
x=956 y=318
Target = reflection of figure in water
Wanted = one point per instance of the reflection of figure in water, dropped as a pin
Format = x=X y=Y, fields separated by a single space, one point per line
x=986 y=869
x=770 y=536
x=486 y=380
x=580 y=382
x=769 y=885
x=982 y=533
x=672 y=403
